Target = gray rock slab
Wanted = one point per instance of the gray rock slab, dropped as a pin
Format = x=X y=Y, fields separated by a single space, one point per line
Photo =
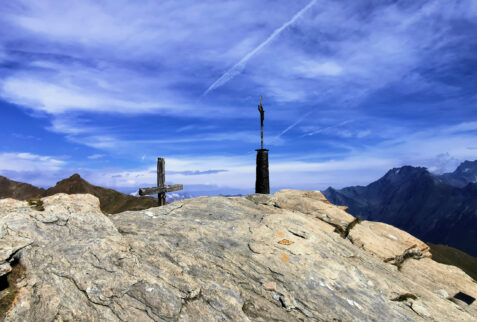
x=255 y=258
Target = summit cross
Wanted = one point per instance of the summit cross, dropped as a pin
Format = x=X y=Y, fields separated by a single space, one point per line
x=161 y=188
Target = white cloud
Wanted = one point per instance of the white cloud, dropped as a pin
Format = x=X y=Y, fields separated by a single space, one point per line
x=460 y=128
x=28 y=162
x=353 y=57
x=312 y=69
x=111 y=142
x=71 y=126
x=60 y=98
x=240 y=169
x=345 y=129
x=360 y=166
x=240 y=65
x=96 y=156
x=156 y=57
x=120 y=56
x=240 y=173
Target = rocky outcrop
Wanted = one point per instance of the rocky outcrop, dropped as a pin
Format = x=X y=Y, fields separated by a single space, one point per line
x=277 y=257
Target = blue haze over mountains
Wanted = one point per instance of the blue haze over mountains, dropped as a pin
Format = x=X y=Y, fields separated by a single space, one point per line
x=435 y=208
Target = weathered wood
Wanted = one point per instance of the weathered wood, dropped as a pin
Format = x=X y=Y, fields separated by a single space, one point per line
x=160 y=190
x=161 y=180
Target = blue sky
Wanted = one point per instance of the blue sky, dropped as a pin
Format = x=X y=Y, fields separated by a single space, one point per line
x=350 y=89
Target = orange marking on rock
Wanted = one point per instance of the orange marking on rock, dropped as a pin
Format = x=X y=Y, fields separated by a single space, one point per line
x=15 y=300
x=285 y=258
x=271 y=286
x=280 y=234
x=285 y=242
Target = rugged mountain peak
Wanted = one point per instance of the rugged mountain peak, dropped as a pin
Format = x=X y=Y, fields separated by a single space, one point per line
x=75 y=177
x=404 y=173
x=289 y=256
x=395 y=179
x=465 y=173
x=73 y=184
x=469 y=167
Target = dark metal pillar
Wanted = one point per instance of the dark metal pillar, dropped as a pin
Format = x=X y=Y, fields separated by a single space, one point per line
x=262 y=182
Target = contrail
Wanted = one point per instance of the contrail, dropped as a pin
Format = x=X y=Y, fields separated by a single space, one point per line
x=238 y=67
x=292 y=126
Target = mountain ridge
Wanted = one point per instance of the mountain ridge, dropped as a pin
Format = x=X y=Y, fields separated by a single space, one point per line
x=18 y=190
x=424 y=204
x=111 y=201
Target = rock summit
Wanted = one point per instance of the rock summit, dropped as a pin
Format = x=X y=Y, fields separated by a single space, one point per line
x=290 y=256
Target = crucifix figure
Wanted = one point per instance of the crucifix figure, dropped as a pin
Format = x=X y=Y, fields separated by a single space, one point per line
x=262 y=117
x=262 y=181
x=161 y=188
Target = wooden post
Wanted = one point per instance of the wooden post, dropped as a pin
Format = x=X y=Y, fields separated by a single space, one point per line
x=161 y=180
x=161 y=188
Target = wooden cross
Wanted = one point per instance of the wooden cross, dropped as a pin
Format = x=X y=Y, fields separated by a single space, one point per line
x=161 y=188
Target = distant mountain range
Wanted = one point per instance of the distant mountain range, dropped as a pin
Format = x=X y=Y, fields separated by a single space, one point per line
x=440 y=209
x=171 y=196
x=111 y=201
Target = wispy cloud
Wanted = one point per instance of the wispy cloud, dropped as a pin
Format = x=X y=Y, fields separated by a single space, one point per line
x=238 y=67
x=96 y=156
x=28 y=161
x=292 y=125
x=196 y=172
x=108 y=142
x=129 y=82
x=31 y=168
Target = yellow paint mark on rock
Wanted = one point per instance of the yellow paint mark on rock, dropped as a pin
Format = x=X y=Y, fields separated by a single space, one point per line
x=280 y=234
x=285 y=258
x=285 y=242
